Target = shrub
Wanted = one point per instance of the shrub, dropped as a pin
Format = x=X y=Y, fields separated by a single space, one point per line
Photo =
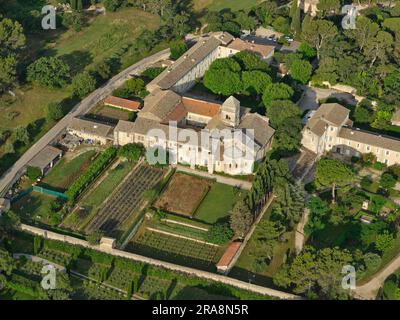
x=94 y=170
x=387 y=181
x=219 y=233
x=131 y=151
x=379 y=166
x=54 y=111
x=49 y=71
x=82 y=84
x=178 y=48
x=33 y=173
x=372 y=261
x=152 y=73
x=95 y=237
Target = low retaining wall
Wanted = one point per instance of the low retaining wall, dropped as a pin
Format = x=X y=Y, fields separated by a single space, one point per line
x=162 y=264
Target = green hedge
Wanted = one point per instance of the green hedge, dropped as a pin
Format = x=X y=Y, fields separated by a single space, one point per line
x=88 y=176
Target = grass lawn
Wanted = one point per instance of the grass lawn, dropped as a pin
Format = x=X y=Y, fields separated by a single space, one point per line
x=216 y=5
x=103 y=36
x=218 y=203
x=66 y=171
x=34 y=206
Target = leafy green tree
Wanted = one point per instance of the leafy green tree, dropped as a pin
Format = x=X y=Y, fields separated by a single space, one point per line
x=11 y=36
x=134 y=85
x=333 y=173
x=318 y=209
x=301 y=71
x=20 y=134
x=317 y=33
x=328 y=7
x=363 y=114
x=226 y=64
x=131 y=151
x=251 y=61
x=241 y=219
x=387 y=180
x=95 y=237
x=178 y=48
x=8 y=71
x=223 y=82
x=112 y=5
x=9 y=221
x=276 y=91
x=384 y=241
x=7 y=263
x=246 y=21
x=55 y=111
x=307 y=51
x=33 y=173
x=49 y=71
x=82 y=84
x=281 y=24
x=316 y=273
x=255 y=81
x=364 y=33
x=379 y=48
x=372 y=261
x=219 y=233
x=280 y=110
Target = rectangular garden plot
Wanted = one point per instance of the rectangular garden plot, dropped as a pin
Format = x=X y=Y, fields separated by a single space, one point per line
x=183 y=194
x=176 y=250
x=126 y=199
x=67 y=170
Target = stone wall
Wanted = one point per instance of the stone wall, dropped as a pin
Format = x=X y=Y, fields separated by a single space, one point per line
x=162 y=264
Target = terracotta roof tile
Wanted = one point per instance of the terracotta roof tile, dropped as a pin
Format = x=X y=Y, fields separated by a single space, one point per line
x=229 y=254
x=201 y=107
x=122 y=103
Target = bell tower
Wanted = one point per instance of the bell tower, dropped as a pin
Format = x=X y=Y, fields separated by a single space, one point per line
x=230 y=112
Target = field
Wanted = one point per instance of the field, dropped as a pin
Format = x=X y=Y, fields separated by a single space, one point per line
x=176 y=250
x=126 y=199
x=183 y=194
x=92 y=201
x=216 y=5
x=102 y=37
x=218 y=203
x=67 y=170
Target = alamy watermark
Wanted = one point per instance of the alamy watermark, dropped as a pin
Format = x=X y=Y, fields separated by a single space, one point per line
x=50 y=276
x=349 y=280
x=349 y=20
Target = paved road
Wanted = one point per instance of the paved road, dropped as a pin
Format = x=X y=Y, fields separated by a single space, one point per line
x=13 y=174
x=221 y=179
x=371 y=288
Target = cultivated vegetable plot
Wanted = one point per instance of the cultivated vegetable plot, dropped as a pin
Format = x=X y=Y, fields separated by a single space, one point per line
x=177 y=250
x=125 y=199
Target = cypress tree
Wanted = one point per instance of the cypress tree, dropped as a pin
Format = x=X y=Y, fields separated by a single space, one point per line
x=295 y=14
x=73 y=4
x=79 y=5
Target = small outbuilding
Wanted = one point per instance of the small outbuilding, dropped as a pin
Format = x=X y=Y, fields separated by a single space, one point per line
x=226 y=261
x=46 y=159
x=120 y=103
